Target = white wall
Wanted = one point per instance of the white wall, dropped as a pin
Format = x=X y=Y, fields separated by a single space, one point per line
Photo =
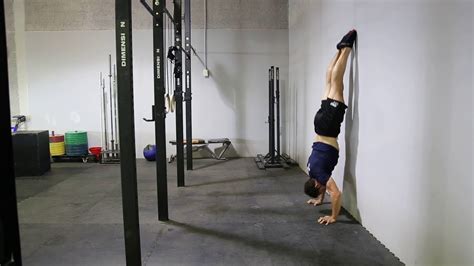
x=20 y=51
x=63 y=70
x=406 y=144
x=68 y=42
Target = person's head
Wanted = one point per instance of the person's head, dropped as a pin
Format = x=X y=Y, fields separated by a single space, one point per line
x=311 y=188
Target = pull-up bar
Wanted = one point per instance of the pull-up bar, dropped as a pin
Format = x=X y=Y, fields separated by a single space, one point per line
x=166 y=11
x=175 y=51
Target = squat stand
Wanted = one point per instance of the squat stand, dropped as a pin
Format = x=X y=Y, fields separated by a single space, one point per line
x=272 y=160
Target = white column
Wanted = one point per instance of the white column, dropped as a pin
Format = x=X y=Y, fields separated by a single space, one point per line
x=20 y=39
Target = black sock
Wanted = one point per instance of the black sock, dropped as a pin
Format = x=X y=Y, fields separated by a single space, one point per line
x=348 y=40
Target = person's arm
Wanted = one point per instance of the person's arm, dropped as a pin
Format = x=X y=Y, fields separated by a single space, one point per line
x=335 y=203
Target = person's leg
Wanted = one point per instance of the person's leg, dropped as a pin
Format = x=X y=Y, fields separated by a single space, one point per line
x=328 y=75
x=337 y=75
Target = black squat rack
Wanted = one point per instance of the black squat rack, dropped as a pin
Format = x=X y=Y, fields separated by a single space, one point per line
x=274 y=158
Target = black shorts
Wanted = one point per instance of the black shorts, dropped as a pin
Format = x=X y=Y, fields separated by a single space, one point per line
x=328 y=119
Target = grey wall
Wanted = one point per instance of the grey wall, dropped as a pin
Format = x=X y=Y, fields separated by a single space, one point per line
x=60 y=15
x=241 y=14
x=406 y=143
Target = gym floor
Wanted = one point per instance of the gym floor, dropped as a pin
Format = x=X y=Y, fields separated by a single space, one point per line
x=230 y=213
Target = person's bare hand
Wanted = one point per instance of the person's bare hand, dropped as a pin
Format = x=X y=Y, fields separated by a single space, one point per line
x=314 y=202
x=326 y=220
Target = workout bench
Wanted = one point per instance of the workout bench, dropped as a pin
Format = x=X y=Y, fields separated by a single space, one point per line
x=201 y=144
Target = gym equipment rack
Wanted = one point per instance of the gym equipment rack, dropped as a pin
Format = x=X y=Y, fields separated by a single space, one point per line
x=274 y=158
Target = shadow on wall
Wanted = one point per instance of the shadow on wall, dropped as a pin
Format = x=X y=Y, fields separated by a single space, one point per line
x=225 y=82
x=231 y=89
x=285 y=117
x=352 y=139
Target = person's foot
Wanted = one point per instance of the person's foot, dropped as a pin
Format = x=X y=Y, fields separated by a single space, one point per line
x=348 y=40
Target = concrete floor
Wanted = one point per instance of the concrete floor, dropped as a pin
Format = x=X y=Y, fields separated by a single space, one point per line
x=230 y=213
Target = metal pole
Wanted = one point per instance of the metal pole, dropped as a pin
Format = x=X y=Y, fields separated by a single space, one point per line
x=278 y=111
x=188 y=94
x=117 y=138
x=8 y=206
x=128 y=164
x=178 y=93
x=104 y=101
x=102 y=123
x=269 y=111
x=160 y=115
x=111 y=107
x=272 y=115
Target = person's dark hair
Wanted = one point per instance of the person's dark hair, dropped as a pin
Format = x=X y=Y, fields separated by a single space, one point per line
x=310 y=188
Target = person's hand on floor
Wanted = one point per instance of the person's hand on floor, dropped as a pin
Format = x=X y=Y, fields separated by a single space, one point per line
x=326 y=220
x=314 y=202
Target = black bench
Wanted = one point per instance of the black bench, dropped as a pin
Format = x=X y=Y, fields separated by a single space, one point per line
x=201 y=144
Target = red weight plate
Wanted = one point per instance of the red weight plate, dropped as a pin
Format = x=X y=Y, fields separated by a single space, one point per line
x=57 y=138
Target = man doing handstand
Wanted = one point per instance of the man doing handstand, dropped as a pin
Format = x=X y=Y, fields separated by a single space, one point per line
x=327 y=125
